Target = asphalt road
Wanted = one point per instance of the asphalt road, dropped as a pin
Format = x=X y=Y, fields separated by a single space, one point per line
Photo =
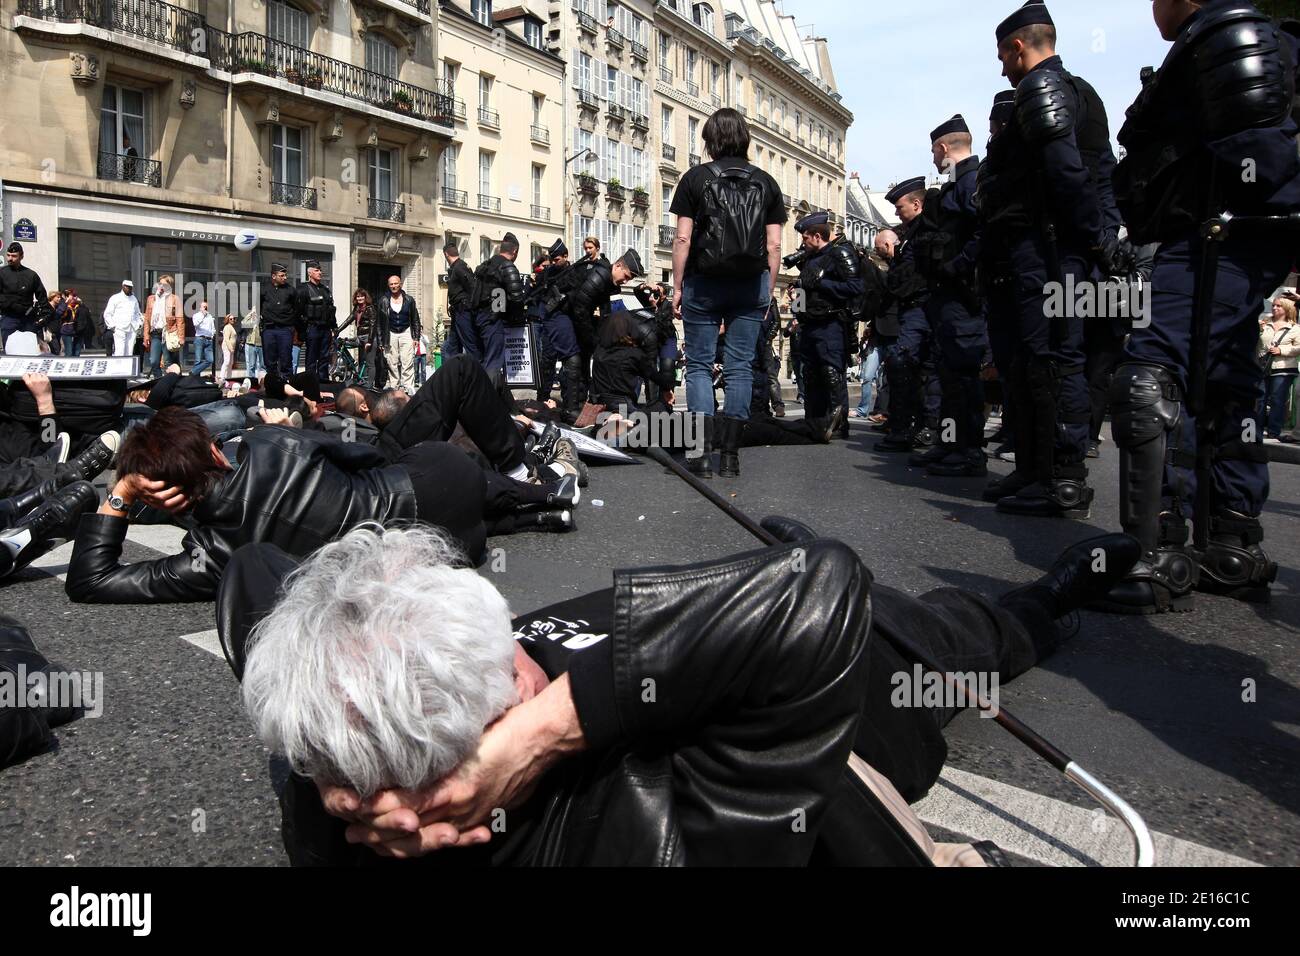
x=169 y=774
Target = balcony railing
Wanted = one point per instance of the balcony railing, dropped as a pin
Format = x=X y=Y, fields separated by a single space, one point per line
x=588 y=100
x=289 y=194
x=695 y=159
x=615 y=112
x=386 y=210
x=640 y=51
x=540 y=134
x=614 y=38
x=487 y=117
x=542 y=213
x=255 y=53
x=614 y=193
x=588 y=185
x=716 y=100
x=692 y=88
x=455 y=197
x=489 y=203
x=587 y=22
x=150 y=20
x=130 y=169
x=641 y=122
x=666 y=235
x=742 y=110
x=665 y=74
x=670 y=153
x=640 y=199
x=459 y=110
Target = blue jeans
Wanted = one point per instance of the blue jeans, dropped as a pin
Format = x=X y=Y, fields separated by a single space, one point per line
x=71 y=346
x=707 y=304
x=869 y=371
x=1279 y=390
x=297 y=357
x=203 y=355
x=254 y=360
x=157 y=353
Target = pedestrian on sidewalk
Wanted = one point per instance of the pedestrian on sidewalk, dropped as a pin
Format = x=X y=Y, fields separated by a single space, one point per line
x=1279 y=353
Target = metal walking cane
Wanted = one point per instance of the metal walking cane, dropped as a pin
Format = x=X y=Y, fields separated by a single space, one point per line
x=1144 y=855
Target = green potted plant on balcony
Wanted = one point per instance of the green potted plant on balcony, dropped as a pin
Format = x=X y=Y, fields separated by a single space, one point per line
x=614 y=188
x=401 y=101
x=587 y=183
x=312 y=79
x=292 y=74
x=640 y=196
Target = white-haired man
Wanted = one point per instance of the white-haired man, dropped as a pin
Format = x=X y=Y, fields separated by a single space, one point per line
x=700 y=715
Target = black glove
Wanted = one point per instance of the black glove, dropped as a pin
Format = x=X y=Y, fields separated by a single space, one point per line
x=1116 y=256
x=812 y=281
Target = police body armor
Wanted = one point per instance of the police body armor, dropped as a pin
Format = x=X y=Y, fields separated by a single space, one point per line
x=317 y=304
x=499 y=273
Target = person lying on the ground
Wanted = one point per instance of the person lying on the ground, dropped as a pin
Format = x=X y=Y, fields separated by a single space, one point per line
x=701 y=715
x=290 y=487
x=37 y=414
x=26 y=730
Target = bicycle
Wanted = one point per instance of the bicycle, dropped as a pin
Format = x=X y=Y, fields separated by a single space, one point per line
x=342 y=367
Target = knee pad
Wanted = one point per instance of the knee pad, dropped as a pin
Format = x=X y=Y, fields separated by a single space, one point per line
x=1145 y=403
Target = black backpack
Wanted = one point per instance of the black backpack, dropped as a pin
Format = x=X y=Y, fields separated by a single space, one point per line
x=730 y=237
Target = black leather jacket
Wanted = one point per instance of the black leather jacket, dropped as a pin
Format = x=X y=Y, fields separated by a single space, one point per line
x=296 y=489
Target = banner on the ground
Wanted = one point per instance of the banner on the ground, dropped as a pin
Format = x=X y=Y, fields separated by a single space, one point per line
x=97 y=368
x=523 y=362
x=588 y=447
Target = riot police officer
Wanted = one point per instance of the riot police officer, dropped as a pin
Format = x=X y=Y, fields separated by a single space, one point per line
x=907 y=290
x=499 y=299
x=559 y=343
x=831 y=283
x=278 y=314
x=463 y=337
x=315 y=305
x=1184 y=397
x=946 y=255
x=1041 y=203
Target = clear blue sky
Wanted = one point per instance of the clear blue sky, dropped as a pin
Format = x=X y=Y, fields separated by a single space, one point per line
x=903 y=68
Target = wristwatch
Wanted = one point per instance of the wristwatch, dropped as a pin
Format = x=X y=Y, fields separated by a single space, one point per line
x=117 y=503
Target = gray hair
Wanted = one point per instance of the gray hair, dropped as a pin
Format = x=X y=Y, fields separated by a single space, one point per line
x=382 y=663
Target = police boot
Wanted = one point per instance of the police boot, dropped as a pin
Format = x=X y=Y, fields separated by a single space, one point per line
x=837 y=387
x=828 y=427
x=1163 y=578
x=1006 y=486
x=932 y=455
x=572 y=393
x=902 y=384
x=40 y=531
x=960 y=463
x=1066 y=495
x=729 y=432
x=1233 y=563
x=699 y=462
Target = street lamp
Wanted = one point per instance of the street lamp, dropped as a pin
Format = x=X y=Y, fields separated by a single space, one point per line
x=587 y=154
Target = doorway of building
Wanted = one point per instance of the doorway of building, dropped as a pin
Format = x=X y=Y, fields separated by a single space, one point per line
x=374 y=279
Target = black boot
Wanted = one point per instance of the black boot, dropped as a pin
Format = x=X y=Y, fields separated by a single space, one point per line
x=92 y=462
x=1083 y=574
x=41 y=531
x=573 y=392
x=543 y=521
x=827 y=428
x=1065 y=495
x=563 y=493
x=1233 y=563
x=932 y=455
x=1162 y=580
x=702 y=465
x=1006 y=485
x=960 y=463
x=729 y=430
x=11 y=509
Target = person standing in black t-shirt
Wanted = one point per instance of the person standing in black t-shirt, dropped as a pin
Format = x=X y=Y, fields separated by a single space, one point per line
x=724 y=273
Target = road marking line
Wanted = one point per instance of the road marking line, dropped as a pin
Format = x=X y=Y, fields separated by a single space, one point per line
x=163 y=538
x=1047 y=830
x=206 y=641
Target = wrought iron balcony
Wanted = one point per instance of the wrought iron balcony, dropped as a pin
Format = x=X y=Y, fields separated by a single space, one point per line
x=588 y=185
x=692 y=88
x=290 y=194
x=641 y=122
x=588 y=100
x=615 y=112
x=695 y=159
x=614 y=193
x=587 y=22
x=489 y=203
x=640 y=51
x=742 y=110
x=540 y=134
x=640 y=199
x=151 y=20
x=670 y=153
x=665 y=74
x=455 y=197
x=255 y=53
x=490 y=118
x=666 y=235
x=386 y=210
x=614 y=38
x=459 y=111
x=716 y=100
x=542 y=213
x=130 y=169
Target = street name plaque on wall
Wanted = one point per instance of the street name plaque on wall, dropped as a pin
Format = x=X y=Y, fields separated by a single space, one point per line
x=93 y=369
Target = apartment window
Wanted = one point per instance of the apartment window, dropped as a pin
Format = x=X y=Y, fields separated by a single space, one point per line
x=539 y=101
x=485 y=173
x=450 y=73
x=702 y=14
x=381 y=56
x=583 y=63
x=450 y=157
x=638 y=29
x=666 y=198
x=481 y=10
x=798 y=122
x=533 y=33
x=288 y=24
x=122 y=121
x=715 y=79
x=692 y=134
x=539 y=177
x=638 y=103
x=382 y=185
x=485 y=249
x=484 y=91
x=692 y=61
x=287 y=155
x=666 y=125
x=611 y=84
x=665 y=49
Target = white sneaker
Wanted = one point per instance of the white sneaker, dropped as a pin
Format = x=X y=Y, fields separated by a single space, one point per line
x=58 y=451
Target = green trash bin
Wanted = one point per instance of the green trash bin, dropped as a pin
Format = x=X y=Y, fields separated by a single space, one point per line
x=437 y=359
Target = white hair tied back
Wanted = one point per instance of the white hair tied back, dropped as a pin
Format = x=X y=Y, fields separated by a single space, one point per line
x=382 y=663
